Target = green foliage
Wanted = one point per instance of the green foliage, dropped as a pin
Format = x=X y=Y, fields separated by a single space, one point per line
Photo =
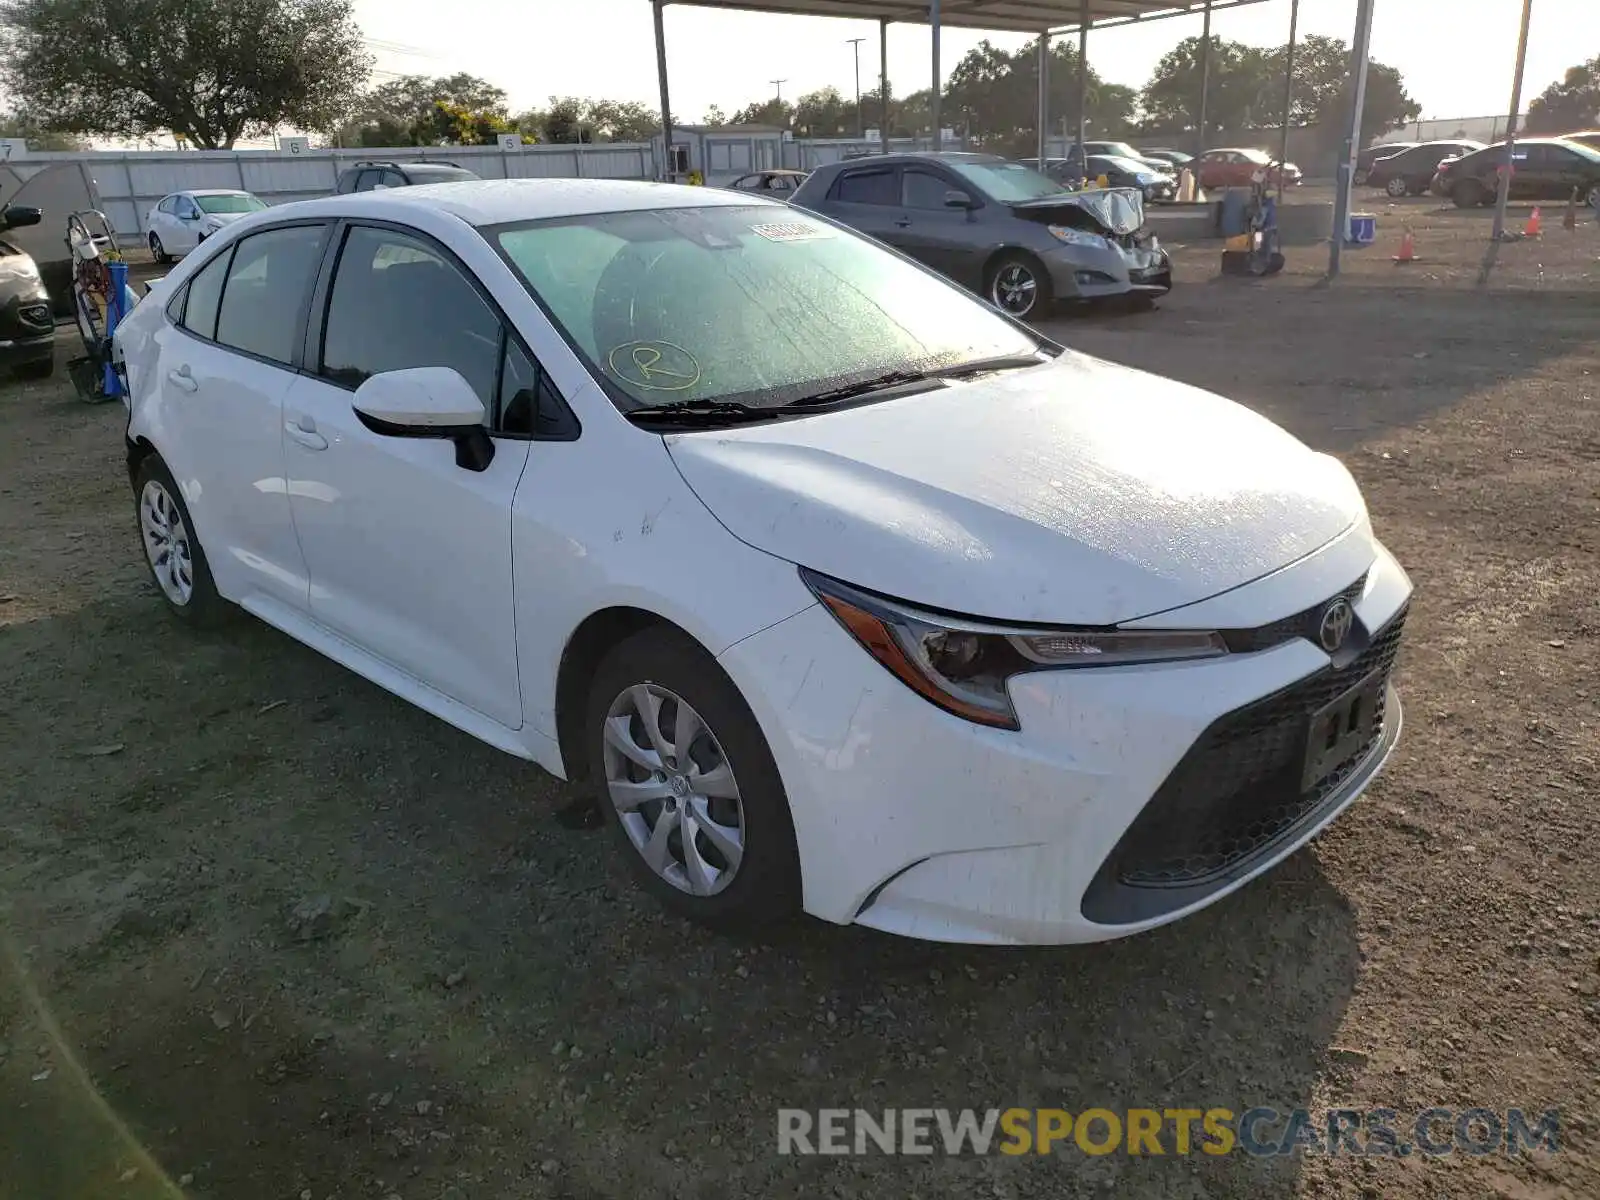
x=407 y=112
x=209 y=72
x=1246 y=88
x=1571 y=105
x=15 y=125
x=570 y=119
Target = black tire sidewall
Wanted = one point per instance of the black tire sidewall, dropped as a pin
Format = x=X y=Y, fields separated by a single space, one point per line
x=206 y=606
x=1467 y=194
x=766 y=888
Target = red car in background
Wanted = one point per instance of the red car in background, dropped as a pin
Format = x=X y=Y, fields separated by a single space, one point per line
x=1237 y=168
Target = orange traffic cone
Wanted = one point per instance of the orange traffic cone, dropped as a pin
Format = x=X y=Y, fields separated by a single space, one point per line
x=1408 y=248
x=1570 y=221
x=1535 y=225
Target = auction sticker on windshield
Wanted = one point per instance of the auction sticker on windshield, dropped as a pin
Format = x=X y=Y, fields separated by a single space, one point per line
x=792 y=231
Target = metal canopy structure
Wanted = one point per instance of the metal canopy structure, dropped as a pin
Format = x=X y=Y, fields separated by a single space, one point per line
x=1044 y=18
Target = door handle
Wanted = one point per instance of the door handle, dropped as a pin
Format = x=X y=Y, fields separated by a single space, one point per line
x=181 y=378
x=903 y=222
x=309 y=438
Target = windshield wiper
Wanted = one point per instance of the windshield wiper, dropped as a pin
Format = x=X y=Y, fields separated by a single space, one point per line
x=892 y=379
x=699 y=412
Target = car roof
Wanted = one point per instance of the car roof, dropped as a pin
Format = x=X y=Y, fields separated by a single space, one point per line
x=210 y=192
x=496 y=201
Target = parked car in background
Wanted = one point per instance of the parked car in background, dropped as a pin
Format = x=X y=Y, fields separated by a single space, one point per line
x=376 y=176
x=929 y=625
x=1155 y=186
x=1177 y=158
x=1123 y=150
x=27 y=328
x=1008 y=232
x=1372 y=154
x=1410 y=172
x=1235 y=167
x=1541 y=169
x=182 y=220
x=783 y=183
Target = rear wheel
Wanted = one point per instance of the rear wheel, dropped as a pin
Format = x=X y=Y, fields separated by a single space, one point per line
x=171 y=550
x=1468 y=193
x=157 y=250
x=1019 y=285
x=689 y=786
x=1397 y=187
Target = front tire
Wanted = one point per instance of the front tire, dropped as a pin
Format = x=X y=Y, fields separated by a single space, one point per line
x=1397 y=187
x=689 y=786
x=157 y=250
x=173 y=553
x=1018 y=285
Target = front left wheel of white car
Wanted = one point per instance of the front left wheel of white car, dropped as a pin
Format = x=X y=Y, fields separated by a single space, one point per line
x=688 y=784
x=171 y=550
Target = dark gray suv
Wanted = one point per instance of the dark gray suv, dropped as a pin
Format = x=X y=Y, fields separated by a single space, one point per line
x=374 y=176
x=1014 y=236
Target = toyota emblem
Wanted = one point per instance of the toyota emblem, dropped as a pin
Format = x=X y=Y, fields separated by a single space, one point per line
x=1335 y=625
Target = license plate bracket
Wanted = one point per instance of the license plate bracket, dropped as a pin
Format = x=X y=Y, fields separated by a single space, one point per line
x=1339 y=729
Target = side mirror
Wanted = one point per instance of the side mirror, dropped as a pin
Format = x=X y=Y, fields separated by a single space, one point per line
x=16 y=216
x=427 y=402
x=956 y=198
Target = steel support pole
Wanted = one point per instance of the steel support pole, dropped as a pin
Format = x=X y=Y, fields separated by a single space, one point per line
x=1504 y=194
x=861 y=124
x=883 y=82
x=1360 y=53
x=1083 y=75
x=933 y=20
x=1205 y=78
x=1288 y=92
x=666 y=103
x=1044 y=94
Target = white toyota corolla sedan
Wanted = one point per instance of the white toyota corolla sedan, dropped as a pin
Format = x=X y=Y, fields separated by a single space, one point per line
x=844 y=591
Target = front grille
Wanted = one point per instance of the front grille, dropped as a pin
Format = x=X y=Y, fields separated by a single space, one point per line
x=1301 y=625
x=1238 y=789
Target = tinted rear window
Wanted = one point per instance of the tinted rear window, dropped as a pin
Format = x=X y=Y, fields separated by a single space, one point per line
x=438 y=174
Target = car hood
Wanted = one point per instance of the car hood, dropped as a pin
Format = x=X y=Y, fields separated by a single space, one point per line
x=227 y=218
x=1077 y=493
x=1109 y=210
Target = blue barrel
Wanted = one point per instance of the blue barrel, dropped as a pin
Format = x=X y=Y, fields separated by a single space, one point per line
x=1363 y=228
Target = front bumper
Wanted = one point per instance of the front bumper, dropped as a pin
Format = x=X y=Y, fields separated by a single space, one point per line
x=916 y=822
x=27 y=330
x=1093 y=273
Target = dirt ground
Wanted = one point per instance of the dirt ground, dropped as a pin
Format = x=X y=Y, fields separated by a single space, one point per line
x=473 y=1001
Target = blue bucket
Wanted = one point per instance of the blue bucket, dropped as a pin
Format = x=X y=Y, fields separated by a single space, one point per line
x=1363 y=228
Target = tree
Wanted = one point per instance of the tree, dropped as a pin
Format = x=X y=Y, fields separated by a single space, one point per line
x=15 y=125
x=995 y=93
x=1236 y=90
x=1322 y=89
x=456 y=125
x=825 y=113
x=403 y=111
x=211 y=73
x=714 y=117
x=774 y=112
x=624 y=120
x=1571 y=104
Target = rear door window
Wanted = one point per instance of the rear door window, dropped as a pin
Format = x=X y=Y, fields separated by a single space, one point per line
x=268 y=288
x=868 y=187
x=205 y=295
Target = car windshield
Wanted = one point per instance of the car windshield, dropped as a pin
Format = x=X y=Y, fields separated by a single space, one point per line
x=1006 y=181
x=438 y=174
x=230 y=202
x=759 y=305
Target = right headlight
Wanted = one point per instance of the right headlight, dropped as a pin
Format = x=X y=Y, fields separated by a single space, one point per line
x=963 y=666
x=1076 y=237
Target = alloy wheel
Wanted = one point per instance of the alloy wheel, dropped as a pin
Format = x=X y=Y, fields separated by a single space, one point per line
x=1015 y=289
x=1396 y=187
x=166 y=543
x=673 y=789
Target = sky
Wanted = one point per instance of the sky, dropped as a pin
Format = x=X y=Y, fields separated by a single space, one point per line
x=1457 y=56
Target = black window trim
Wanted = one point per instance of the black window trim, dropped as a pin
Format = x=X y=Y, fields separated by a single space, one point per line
x=296 y=346
x=313 y=332
x=951 y=184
